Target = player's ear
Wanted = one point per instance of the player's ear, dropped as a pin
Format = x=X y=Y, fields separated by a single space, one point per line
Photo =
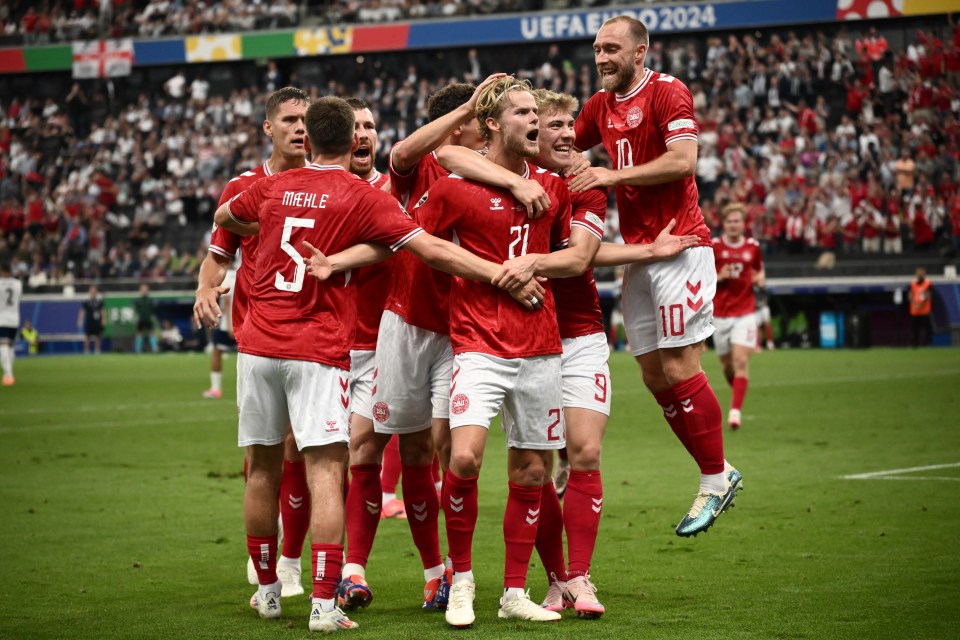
x=306 y=145
x=268 y=128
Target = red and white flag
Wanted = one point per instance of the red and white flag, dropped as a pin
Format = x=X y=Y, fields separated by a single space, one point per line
x=102 y=58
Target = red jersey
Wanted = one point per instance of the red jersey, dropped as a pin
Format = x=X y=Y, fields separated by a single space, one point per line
x=293 y=316
x=636 y=128
x=225 y=243
x=490 y=223
x=418 y=294
x=735 y=294
x=373 y=284
x=578 y=304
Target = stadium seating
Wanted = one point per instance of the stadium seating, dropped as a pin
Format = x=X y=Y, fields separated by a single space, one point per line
x=805 y=125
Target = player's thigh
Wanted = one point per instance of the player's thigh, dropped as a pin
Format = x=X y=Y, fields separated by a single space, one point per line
x=407 y=359
x=722 y=336
x=585 y=373
x=744 y=331
x=318 y=403
x=362 y=373
x=261 y=401
x=639 y=318
x=683 y=289
x=480 y=383
x=533 y=417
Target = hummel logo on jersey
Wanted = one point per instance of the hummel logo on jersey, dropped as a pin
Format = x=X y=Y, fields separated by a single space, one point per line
x=532 y=516
x=420 y=511
x=495 y=204
x=373 y=507
x=687 y=405
x=597 y=504
x=669 y=411
x=295 y=502
x=456 y=504
x=332 y=426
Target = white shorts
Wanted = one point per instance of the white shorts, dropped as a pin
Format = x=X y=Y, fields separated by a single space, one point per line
x=413 y=377
x=762 y=314
x=585 y=373
x=670 y=303
x=741 y=330
x=528 y=390
x=312 y=398
x=363 y=369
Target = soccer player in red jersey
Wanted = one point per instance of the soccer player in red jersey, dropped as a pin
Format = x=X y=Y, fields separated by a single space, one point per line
x=646 y=122
x=583 y=365
x=739 y=269
x=284 y=124
x=411 y=395
x=294 y=356
x=373 y=283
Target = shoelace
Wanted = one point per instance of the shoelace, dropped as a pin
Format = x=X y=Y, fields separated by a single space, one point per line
x=460 y=596
x=698 y=504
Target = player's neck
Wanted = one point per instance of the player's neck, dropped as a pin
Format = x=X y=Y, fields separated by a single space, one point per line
x=368 y=176
x=331 y=161
x=637 y=79
x=278 y=163
x=507 y=159
x=733 y=241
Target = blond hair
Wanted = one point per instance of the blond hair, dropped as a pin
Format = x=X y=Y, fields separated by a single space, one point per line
x=490 y=102
x=554 y=102
x=733 y=207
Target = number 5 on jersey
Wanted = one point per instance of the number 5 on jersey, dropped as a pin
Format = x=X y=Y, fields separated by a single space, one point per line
x=297 y=284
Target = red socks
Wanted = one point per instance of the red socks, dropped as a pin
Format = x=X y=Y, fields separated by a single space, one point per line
x=520 y=522
x=460 y=512
x=550 y=534
x=739 y=392
x=674 y=417
x=700 y=410
x=294 y=507
x=263 y=551
x=423 y=509
x=327 y=561
x=391 y=465
x=362 y=511
x=582 y=505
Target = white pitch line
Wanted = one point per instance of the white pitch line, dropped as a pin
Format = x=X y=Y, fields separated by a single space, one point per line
x=897 y=472
x=950 y=478
x=104 y=425
x=103 y=407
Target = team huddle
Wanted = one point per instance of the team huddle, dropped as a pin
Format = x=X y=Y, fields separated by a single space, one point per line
x=423 y=303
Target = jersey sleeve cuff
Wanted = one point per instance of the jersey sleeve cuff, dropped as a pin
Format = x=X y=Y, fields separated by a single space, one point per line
x=399 y=244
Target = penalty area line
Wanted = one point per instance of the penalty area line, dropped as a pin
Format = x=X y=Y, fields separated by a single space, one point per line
x=890 y=473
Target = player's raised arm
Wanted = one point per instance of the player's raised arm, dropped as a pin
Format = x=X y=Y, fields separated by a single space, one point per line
x=428 y=137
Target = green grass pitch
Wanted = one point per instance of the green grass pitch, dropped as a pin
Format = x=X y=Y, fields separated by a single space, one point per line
x=121 y=492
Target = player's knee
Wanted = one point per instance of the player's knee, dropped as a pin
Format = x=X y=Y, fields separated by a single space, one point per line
x=585 y=456
x=529 y=471
x=416 y=451
x=465 y=463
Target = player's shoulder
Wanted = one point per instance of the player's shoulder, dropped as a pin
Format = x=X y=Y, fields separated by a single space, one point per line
x=753 y=243
x=666 y=85
x=546 y=177
x=717 y=241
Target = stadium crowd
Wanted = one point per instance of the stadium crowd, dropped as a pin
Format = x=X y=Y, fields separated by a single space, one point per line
x=835 y=143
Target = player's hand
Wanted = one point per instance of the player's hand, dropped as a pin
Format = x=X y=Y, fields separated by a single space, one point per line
x=531 y=195
x=724 y=273
x=592 y=178
x=578 y=166
x=317 y=264
x=667 y=245
x=493 y=77
x=516 y=272
x=530 y=296
x=206 y=309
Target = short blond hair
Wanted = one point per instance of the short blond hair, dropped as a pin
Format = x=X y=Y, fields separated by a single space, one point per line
x=555 y=102
x=490 y=102
x=733 y=207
